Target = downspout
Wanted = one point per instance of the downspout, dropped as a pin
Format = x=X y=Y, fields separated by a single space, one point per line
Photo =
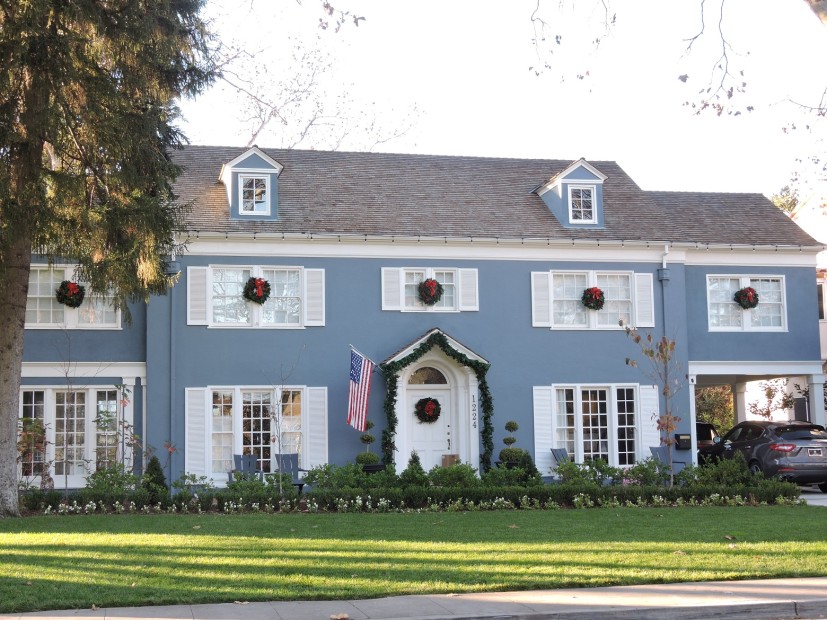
x=663 y=276
x=173 y=268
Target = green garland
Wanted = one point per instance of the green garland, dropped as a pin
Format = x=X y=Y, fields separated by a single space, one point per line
x=391 y=371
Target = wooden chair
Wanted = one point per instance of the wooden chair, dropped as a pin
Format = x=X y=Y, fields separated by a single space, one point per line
x=246 y=466
x=558 y=456
x=289 y=464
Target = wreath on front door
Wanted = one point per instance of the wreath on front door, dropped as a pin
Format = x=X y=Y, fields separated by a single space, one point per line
x=430 y=291
x=427 y=410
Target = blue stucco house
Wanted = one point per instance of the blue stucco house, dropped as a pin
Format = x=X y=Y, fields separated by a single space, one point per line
x=343 y=241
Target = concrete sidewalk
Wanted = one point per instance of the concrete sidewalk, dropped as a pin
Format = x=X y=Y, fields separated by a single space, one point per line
x=774 y=598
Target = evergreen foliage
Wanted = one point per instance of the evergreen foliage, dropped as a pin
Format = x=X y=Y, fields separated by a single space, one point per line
x=87 y=122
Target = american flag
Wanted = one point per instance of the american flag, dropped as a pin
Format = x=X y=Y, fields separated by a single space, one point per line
x=361 y=370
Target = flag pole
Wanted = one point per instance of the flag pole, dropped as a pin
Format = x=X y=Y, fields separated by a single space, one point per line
x=375 y=365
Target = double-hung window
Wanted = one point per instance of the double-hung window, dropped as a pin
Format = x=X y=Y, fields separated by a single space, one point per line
x=215 y=297
x=400 y=289
x=44 y=312
x=557 y=299
x=255 y=194
x=725 y=314
x=581 y=204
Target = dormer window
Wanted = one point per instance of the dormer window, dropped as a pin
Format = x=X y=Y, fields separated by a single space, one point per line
x=581 y=204
x=255 y=193
x=575 y=196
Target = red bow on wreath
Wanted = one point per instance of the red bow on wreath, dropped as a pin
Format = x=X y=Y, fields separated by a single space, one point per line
x=259 y=287
x=73 y=288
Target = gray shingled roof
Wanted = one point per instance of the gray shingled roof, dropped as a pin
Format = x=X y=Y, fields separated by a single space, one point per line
x=410 y=195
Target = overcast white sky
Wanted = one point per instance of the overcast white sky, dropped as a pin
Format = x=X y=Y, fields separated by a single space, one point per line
x=463 y=65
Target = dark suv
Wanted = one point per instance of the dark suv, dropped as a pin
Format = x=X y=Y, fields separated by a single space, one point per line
x=794 y=451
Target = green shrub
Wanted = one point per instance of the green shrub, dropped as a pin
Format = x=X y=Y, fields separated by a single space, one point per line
x=648 y=472
x=114 y=480
x=596 y=472
x=510 y=477
x=414 y=475
x=154 y=482
x=367 y=458
x=458 y=475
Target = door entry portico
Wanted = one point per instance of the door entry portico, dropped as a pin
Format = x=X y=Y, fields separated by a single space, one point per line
x=438 y=367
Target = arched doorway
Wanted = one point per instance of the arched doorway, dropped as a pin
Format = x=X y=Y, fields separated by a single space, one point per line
x=431 y=440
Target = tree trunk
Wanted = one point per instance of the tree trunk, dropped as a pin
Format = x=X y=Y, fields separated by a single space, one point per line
x=14 y=282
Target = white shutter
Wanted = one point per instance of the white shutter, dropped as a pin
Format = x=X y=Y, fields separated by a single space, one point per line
x=196 y=437
x=391 y=288
x=644 y=300
x=468 y=290
x=543 y=428
x=540 y=299
x=316 y=427
x=648 y=435
x=197 y=286
x=313 y=297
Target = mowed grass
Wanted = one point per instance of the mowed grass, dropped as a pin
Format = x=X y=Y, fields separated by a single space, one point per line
x=124 y=560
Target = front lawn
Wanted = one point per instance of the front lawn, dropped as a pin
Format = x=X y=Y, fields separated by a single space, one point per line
x=55 y=562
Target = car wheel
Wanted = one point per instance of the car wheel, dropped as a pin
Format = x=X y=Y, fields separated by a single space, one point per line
x=755 y=468
x=823 y=487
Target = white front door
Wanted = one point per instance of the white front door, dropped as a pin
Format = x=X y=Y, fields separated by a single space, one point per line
x=432 y=440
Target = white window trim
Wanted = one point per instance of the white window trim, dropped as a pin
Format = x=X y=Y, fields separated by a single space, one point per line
x=591 y=315
x=238 y=422
x=74 y=481
x=254 y=174
x=746 y=323
x=611 y=389
x=71 y=316
x=582 y=186
x=256 y=271
x=466 y=289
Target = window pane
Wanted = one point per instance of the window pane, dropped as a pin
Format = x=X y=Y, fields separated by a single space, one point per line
x=595 y=416
x=617 y=289
x=33 y=439
x=770 y=309
x=449 y=292
x=581 y=204
x=723 y=311
x=253 y=194
x=222 y=431
x=291 y=422
x=97 y=310
x=256 y=427
x=106 y=443
x=564 y=434
x=284 y=304
x=70 y=423
x=41 y=306
x=567 y=290
x=228 y=303
x=412 y=281
x=625 y=426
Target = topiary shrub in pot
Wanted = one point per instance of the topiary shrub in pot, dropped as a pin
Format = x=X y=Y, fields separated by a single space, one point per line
x=367 y=459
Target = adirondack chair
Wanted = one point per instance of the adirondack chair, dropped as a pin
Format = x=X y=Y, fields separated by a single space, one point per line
x=289 y=464
x=245 y=465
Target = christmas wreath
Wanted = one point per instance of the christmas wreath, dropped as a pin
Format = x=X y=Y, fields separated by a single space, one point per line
x=747 y=298
x=430 y=291
x=257 y=290
x=70 y=294
x=593 y=298
x=427 y=410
